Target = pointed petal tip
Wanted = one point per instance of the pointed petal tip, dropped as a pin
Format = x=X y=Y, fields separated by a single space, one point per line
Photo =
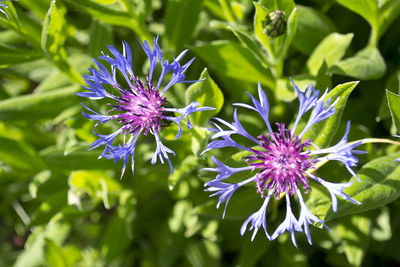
x=206 y=150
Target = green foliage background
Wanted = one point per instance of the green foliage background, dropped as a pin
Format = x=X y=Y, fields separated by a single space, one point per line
x=61 y=206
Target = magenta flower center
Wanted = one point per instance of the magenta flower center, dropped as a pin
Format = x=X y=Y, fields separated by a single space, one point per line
x=282 y=162
x=141 y=108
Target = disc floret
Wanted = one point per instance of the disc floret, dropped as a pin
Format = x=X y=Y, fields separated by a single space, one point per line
x=142 y=108
x=282 y=163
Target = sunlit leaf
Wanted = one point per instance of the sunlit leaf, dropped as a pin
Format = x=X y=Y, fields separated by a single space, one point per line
x=367 y=64
x=207 y=94
x=38 y=106
x=323 y=132
x=378 y=186
x=330 y=50
x=354 y=234
x=232 y=60
x=394 y=106
x=53 y=39
x=11 y=55
x=181 y=19
x=312 y=27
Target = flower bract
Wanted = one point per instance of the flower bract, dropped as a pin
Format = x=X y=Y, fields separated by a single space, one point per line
x=281 y=163
x=138 y=105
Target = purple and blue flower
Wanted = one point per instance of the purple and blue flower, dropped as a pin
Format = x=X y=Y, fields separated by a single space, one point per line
x=283 y=161
x=140 y=107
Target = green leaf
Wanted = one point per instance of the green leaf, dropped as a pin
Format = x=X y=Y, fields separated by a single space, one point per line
x=53 y=39
x=252 y=252
x=365 y=8
x=208 y=94
x=323 y=132
x=282 y=43
x=227 y=10
x=26 y=26
x=367 y=64
x=37 y=181
x=180 y=21
x=39 y=7
x=182 y=212
x=379 y=185
x=250 y=42
x=239 y=9
x=106 y=2
x=98 y=184
x=312 y=27
x=115 y=239
x=54 y=254
x=9 y=37
x=114 y=17
x=259 y=17
x=214 y=7
x=379 y=14
x=103 y=13
x=284 y=89
x=232 y=60
x=392 y=85
x=199 y=140
x=394 y=106
x=277 y=47
x=242 y=204
x=187 y=165
x=11 y=55
x=388 y=12
x=289 y=36
x=33 y=254
x=354 y=233
x=49 y=207
x=100 y=36
x=382 y=229
x=290 y=255
x=202 y=253
x=80 y=158
x=56 y=79
x=19 y=155
x=54 y=32
x=90 y=181
x=330 y=50
x=323 y=79
x=39 y=105
x=285 y=5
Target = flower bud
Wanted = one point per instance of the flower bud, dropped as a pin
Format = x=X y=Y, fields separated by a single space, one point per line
x=275 y=23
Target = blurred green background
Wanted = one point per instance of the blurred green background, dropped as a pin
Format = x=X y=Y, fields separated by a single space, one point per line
x=61 y=206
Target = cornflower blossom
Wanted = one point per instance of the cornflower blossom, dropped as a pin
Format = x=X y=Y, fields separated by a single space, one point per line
x=5 y=6
x=283 y=161
x=140 y=107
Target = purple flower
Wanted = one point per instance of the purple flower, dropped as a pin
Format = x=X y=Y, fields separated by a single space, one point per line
x=139 y=107
x=5 y=6
x=284 y=163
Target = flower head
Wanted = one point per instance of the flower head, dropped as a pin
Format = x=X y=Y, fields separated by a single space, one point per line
x=139 y=106
x=5 y=6
x=284 y=163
